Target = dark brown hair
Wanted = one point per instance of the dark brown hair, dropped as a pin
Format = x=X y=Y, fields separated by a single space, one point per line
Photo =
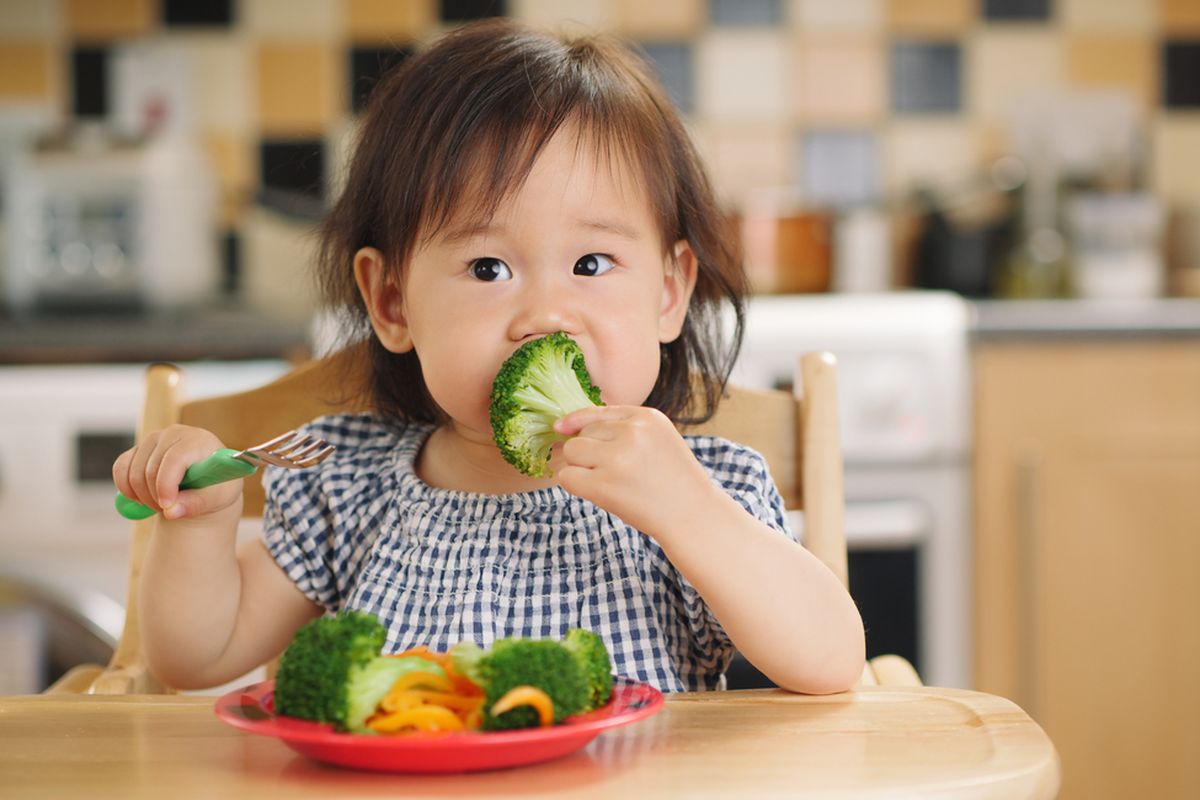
x=476 y=109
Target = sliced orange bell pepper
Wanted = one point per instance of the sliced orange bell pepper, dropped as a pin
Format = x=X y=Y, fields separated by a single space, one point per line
x=526 y=696
x=420 y=718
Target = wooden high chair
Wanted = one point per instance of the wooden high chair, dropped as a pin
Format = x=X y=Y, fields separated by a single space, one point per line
x=798 y=436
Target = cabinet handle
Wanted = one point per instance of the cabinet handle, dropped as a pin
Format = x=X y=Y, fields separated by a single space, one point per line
x=1029 y=459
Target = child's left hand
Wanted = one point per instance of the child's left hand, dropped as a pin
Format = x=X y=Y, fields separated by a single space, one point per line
x=632 y=462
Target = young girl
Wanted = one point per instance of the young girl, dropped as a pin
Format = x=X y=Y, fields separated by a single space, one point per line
x=507 y=185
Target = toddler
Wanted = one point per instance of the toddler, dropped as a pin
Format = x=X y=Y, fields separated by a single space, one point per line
x=506 y=185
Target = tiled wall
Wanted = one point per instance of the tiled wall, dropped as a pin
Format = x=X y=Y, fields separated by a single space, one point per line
x=848 y=100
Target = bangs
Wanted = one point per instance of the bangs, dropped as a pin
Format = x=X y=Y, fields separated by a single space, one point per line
x=498 y=126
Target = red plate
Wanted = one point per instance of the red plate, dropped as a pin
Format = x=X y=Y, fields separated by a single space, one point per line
x=253 y=709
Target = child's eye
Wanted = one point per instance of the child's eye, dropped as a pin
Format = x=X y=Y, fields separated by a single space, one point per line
x=593 y=264
x=490 y=269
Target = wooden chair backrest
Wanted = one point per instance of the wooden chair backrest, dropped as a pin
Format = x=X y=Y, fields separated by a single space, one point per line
x=797 y=435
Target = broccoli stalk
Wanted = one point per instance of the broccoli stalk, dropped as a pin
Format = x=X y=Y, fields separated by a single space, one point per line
x=333 y=671
x=575 y=673
x=540 y=383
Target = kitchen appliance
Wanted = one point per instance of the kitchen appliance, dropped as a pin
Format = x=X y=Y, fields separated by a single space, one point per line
x=903 y=385
x=104 y=223
x=63 y=547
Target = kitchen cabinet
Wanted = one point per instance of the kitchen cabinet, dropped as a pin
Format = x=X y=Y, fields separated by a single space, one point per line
x=1087 y=553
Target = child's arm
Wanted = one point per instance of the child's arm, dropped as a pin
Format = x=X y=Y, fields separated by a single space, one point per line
x=209 y=612
x=786 y=612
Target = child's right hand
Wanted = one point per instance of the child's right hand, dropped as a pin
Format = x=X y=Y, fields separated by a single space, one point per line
x=150 y=472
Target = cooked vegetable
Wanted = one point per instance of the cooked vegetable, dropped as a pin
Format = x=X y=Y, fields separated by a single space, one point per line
x=333 y=672
x=530 y=696
x=568 y=675
x=592 y=657
x=539 y=384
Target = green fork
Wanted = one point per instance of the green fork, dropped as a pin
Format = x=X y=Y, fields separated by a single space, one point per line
x=291 y=450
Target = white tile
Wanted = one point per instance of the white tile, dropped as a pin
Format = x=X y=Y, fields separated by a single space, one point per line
x=30 y=19
x=291 y=19
x=745 y=74
x=1125 y=16
x=1005 y=67
x=861 y=16
x=572 y=16
x=224 y=91
x=935 y=151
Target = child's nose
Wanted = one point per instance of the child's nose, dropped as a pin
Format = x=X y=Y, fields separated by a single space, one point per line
x=544 y=309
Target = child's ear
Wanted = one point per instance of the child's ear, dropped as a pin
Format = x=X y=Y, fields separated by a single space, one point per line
x=679 y=279
x=383 y=298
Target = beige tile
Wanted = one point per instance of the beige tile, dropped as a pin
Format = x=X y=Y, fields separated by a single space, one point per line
x=931 y=16
x=1005 y=66
x=837 y=16
x=661 y=19
x=929 y=151
x=745 y=75
x=1176 y=158
x=389 y=20
x=24 y=19
x=290 y=19
x=572 y=16
x=841 y=80
x=1123 y=61
x=223 y=95
x=297 y=87
x=233 y=158
x=26 y=71
x=107 y=19
x=1109 y=15
x=1179 y=16
x=742 y=159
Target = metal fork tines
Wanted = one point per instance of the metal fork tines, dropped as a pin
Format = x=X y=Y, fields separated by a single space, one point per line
x=292 y=450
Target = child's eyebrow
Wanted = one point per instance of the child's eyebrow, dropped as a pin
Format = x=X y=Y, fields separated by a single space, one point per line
x=615 y=227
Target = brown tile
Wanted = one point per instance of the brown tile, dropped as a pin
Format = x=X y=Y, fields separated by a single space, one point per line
x=1175 y=167
x=1114 y=61
x=26 y=71
x=841 y=80
x=108 y=19
x=663 y=19
x=297 y=88
x=388 y=20
x=232 y=157
x=931 y=16
x=1113 y=16
x=1179 y=16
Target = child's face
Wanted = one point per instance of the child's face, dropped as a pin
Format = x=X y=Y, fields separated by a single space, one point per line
x=576 y=249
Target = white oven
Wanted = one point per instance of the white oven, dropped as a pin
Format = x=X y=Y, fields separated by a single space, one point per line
x=63 y=547
x=904 y=407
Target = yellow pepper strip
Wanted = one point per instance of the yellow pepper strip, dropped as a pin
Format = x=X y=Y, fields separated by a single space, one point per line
x=473 y=719
x=420 y=718
x=457 y=702
x=527 y=696
x=411 y=680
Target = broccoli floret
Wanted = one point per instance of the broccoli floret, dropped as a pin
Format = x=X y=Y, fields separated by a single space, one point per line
x=543 y=663
x=333 y=671
x=592 y=656
x=540 y=383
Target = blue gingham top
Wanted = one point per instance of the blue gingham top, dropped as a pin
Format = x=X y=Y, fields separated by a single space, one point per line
x=439 y=566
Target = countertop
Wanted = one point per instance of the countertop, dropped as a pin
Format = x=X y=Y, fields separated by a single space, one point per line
x=1164 y=317
x=221 y=332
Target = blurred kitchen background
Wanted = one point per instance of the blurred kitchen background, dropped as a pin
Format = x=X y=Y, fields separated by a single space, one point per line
x=989 y=209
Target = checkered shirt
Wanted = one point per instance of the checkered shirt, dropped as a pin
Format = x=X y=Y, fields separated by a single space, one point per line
x=438 y=566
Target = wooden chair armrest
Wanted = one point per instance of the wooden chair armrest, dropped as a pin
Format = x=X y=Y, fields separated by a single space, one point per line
x=76 y=680
x=895 y=671
x=868 y=676
x=133 y=679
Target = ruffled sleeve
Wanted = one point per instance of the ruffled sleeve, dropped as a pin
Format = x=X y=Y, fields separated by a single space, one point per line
x=319 y=523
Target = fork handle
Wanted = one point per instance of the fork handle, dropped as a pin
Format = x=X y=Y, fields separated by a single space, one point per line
x=221 y=466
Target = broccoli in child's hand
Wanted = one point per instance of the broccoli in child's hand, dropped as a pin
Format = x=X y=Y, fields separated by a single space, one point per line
x=592 y=656
x=539 y=384
x=333 y=671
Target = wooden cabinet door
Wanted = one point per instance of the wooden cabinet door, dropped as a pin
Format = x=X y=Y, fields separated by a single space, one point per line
x=1088 y=555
